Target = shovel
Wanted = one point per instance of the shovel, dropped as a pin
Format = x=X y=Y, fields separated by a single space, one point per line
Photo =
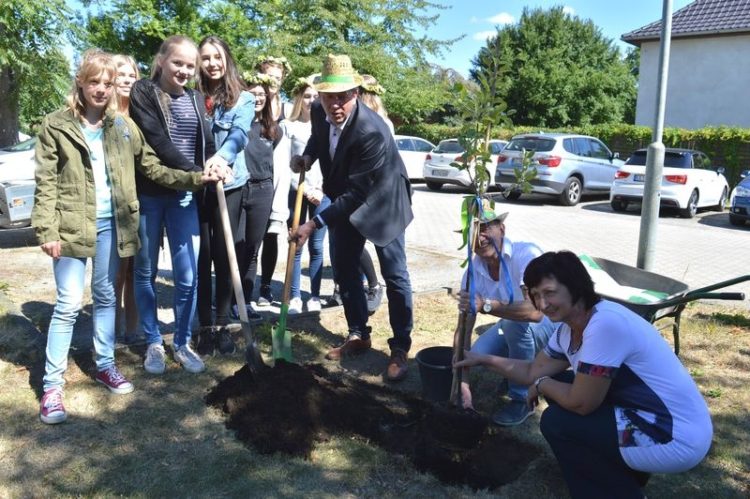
x=252 y=355
x=281 y=338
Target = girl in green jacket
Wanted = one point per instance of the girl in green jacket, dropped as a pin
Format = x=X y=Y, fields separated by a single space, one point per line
x=85 y=206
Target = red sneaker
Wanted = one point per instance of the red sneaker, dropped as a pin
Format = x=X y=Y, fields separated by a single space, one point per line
x=113 y=379
x=51 y=409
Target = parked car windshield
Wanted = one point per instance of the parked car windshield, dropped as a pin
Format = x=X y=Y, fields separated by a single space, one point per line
x=671 y=159
x=449 y=146
x=537 y=144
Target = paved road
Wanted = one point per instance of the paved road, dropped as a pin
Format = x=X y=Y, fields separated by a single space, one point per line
x=699 y=251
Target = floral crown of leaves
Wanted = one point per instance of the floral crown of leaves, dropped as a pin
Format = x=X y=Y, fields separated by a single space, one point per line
x=373 y=88
x=252 y=78
x=281 y=61
x=300 y=84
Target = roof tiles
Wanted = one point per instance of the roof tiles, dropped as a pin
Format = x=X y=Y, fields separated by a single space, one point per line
x=702 y=17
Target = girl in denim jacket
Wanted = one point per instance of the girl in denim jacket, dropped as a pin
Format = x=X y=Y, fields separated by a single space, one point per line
x=232 y=109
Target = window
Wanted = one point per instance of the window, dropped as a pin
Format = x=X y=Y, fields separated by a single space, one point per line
x=449 y=147
x=537 y=144
x=405 y=145
x=599 y=150
x=496 y=147
x=422 y=145
x=582 y=147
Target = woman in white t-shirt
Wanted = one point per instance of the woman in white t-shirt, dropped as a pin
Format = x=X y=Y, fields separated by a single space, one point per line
x=628 y=407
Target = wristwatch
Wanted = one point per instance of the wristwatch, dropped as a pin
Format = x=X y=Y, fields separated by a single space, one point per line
x=487 y=306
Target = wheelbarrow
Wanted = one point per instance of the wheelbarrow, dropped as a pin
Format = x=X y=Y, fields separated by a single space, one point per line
x=657 y=297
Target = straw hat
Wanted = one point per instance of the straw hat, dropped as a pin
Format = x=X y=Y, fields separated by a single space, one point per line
x=338 y=75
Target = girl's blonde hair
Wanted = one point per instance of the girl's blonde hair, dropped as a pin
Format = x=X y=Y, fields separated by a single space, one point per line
x=164 y=50
x=300 y=86
x=122 y=60
x=94 y=62
x=370 y=92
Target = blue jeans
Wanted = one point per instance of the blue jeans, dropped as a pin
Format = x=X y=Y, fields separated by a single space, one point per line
x=515 y=340
x=70 y=274
x=314 y=247
x=349 y=244
x=178 y=213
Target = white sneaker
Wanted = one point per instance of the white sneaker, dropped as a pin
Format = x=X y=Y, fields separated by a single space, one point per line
x=190 y=360
x=313 y=304
x=155 y=359
x=295 y=305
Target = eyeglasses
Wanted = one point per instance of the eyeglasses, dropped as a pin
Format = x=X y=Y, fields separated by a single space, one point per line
x=259 y=95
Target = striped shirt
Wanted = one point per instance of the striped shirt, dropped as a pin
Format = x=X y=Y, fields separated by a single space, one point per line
x=184 y=125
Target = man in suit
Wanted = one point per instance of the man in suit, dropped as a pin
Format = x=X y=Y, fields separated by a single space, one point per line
x=366 y=180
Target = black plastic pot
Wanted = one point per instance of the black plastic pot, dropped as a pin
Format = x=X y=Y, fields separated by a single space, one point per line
x=436 y=372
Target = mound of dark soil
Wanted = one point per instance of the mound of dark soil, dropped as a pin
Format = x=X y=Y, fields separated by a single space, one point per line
x=289 y=407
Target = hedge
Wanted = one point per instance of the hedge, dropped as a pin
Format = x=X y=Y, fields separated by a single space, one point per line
x=726 y=146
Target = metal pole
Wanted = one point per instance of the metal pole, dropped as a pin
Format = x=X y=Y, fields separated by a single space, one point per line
x=655 y=154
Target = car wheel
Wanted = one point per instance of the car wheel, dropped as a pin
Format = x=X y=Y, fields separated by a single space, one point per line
x=571 y=194
x=692 y=206
x=434 y=186
x=511 y=194
x=722 y=201
x=736 y=221
x=619 y=205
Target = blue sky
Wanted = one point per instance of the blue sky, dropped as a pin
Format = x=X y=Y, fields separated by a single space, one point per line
x=476 y=19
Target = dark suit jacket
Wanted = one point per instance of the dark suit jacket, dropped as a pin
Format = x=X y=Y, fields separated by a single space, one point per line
x=366 y=180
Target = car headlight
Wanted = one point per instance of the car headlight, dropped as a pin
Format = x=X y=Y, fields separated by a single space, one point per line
x=742 y=191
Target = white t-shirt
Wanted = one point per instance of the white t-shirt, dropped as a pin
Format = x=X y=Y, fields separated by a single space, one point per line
x=94 y=139
x=299 y=133
x=663 y=423
x=508 y=289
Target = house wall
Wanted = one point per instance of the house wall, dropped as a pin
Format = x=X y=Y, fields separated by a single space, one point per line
x=708 y=83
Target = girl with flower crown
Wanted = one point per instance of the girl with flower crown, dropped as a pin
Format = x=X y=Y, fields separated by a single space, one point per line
x=277 y=69
x=298 y=128
x=85 y=206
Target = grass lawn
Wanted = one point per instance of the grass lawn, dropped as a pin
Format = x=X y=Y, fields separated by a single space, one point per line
x=162 y=440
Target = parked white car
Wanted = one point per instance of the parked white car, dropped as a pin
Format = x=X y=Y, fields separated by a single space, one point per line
x=438 y=170
x=17 y=161
x=413 y=151
x=17 y=183
x=688 y=182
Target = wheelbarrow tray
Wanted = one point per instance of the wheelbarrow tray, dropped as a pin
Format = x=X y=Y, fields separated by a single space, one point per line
x=634 y=277
x=660 y=296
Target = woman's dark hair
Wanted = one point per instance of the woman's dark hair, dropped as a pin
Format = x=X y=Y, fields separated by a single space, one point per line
x=228 y=91
x=568 y=270
x=269 y=128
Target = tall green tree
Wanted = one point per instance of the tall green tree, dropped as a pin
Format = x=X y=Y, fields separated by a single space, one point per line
x=33 y=71
x=378 y=35
x=561 y=71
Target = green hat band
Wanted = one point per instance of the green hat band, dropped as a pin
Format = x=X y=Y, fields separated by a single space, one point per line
x=337 y=79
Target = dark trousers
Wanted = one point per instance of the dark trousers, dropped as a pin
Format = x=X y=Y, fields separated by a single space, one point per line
x=257 y=198
x=268 y=258
x=214 y=250
x=588 y=452
x=349 y=244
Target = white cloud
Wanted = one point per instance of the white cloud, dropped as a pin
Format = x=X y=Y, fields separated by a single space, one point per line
x=569 y=10
x=484 y=35
x=502 y=19
x=474 y=20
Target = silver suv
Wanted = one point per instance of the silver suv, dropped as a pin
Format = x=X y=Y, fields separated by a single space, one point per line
x=567 y=165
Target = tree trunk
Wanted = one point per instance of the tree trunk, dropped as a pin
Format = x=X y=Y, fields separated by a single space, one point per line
x=8 y=107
